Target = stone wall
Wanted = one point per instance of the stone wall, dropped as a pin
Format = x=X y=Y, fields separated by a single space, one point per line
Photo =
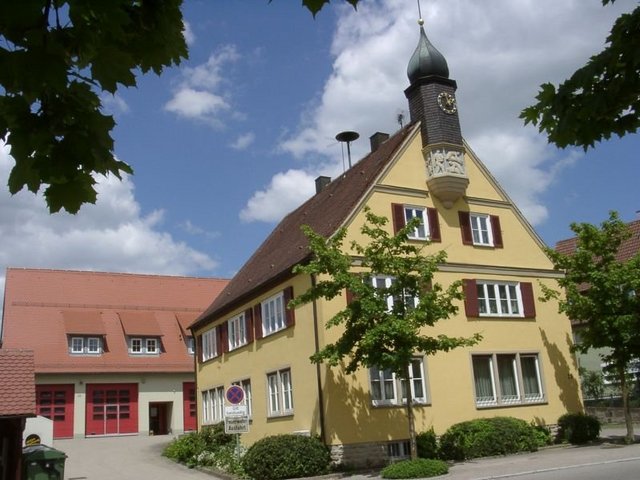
x=360 y=455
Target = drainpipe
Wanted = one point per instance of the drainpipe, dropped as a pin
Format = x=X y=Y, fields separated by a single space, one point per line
x=318 y=371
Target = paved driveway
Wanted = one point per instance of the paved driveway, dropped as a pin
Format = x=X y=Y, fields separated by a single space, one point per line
x=122 y=458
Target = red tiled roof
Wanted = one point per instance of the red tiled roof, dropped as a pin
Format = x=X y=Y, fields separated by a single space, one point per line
x=628 y=249
x=325 y=212
x=83 y=322
x=17 y=383
x=37 y=302
x=140 y=324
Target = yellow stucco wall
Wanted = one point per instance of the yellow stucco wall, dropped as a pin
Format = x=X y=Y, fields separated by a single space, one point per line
x=350 y=416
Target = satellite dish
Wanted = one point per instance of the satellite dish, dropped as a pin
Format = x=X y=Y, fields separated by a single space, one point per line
x=347 y=137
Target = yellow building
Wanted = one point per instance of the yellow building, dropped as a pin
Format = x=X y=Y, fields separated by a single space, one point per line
x=523 y=366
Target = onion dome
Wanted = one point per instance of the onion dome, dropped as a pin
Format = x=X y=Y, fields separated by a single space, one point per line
x=426 y=61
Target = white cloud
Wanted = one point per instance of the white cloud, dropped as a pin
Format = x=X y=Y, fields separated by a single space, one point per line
x=499 y=52
x=114 y=103
x=187 y=31
x=286 y=189
x=200 y=94
x=193 y=229
x=243 y=141
x=112 y=235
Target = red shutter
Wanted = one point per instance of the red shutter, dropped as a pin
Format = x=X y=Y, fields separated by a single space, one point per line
x=496 y=231
x=528 y=301
x=224 y=337
x=290 y=313
x=434 y=225
x=397 y=211
x=350 y=295
x=248 y=324
x=471 y=306
x=465 y=228
x=257 y=321
x=199 y=347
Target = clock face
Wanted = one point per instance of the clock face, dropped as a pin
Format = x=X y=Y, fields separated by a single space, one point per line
x=447 y=102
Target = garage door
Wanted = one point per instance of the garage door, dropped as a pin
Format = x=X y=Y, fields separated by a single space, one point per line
x=56 y=403
x=112 y=409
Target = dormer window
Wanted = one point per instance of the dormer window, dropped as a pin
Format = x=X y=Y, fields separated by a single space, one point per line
x=85 y=345
x=144 y=346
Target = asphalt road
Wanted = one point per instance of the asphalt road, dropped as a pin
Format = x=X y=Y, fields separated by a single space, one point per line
x=139 y=458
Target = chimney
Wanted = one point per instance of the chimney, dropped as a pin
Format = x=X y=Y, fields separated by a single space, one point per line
x=376 y=140
x=321 y=183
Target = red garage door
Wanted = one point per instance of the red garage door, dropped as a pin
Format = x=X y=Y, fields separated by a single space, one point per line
x=56 y=403
x=112 y=409
x=189 y=406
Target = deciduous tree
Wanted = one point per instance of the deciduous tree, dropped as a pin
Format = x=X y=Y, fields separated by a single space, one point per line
x=383 y=327
x=602 y=293
x=600 y=99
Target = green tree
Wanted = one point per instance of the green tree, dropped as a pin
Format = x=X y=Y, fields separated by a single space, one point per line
x=600 y=99
x=601 y=292
x=56 y=58
x=592 y=384
x=383 y=327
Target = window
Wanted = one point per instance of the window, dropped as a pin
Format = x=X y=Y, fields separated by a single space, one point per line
x=237 y=327
x=385 y=385
x=209 y=344
x=273 y=314
x=499 y=299
x=144 y=346
x=191 y=348
x=429 y=227
x=484 y=298
x=480 y=229
x=280 y=393
x=507 y=379
x=213 y=405
x=382 y=282
x=246 y=386
x=399 y=450
x=86 y=345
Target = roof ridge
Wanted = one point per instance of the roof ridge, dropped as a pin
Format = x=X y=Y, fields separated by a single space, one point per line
x=106 y=273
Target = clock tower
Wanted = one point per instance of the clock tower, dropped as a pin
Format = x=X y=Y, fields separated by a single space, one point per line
x=432 y=101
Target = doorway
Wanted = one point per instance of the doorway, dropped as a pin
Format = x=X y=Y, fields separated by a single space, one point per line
x=159 y=418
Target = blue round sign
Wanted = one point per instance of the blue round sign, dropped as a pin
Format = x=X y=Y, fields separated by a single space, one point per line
x=235 y=394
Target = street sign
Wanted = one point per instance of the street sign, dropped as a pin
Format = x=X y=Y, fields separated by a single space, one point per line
x=235 y=411
x=234 y=394
x=236 y=424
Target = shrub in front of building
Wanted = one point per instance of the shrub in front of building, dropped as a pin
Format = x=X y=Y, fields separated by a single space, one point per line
x=419 y=468
x=427 y=444
x=487 y=437
x=286 y=456
x=577 y=428
x=192 y=447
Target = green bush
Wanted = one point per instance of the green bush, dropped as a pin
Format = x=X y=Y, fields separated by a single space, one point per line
x=577 y=428
x=188 y=448
x=486 y=437
x=420 y=468
x=286 y=456
x=542 y=435
x=427 y=444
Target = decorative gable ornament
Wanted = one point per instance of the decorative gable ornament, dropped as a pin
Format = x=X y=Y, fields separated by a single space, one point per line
x=446 y=172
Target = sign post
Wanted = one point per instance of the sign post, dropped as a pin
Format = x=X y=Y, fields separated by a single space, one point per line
x=236 y=416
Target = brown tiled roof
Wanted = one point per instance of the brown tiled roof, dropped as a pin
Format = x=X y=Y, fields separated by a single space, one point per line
x=38 y=301
x=628 y=249
x=17 y=383
x=325 y=212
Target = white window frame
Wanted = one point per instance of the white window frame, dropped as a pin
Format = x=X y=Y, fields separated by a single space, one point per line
x=520 y=396
x=481 y=228
x=280 y=393
x=382 y=378
x=499 y=299
x=422 y=231
x=96 y=348
x=213 y=405
x=191 y=345
x=209 y=344
x=237 y=329
x=136 y=346
x=77 y=345
x=248 y=397
x=399 y=450
x=273 y=314
x=151 y=346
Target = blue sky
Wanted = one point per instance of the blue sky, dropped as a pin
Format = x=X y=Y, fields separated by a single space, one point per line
x=226 y=144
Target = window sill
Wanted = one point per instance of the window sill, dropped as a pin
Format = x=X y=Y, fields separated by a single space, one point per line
x=489 y=406
x=273 y=416
x=384 y=404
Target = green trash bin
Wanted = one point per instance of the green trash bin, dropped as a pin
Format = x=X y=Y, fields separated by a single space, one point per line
x=40 y=462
